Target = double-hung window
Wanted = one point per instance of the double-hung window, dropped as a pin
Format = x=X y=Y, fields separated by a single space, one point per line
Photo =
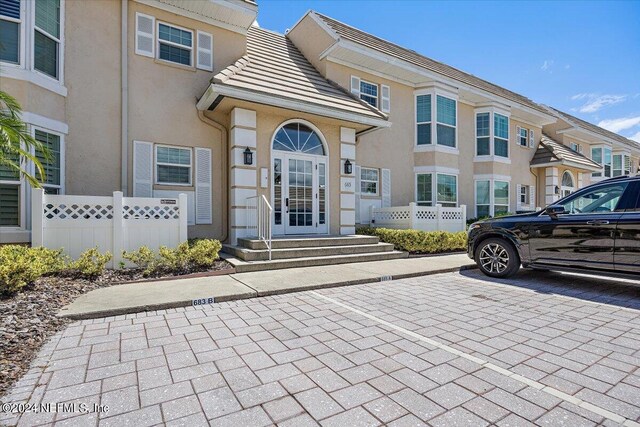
x=175 y=44
x=446 y=121
x=492 y=198
x=525 y=194
x=602 y=155
x=436 y=188
x=621 y=164
x=173 y=165
x=447 y=190
x=575 y=147
x=423 y=119
x=483 y=134
x=10 y=196
x=46 y=37
x=369 y=181
x=369 y=93
x=52 y=163
x=523 y=137
x=500 y=135
x=10 y=23
x=424 y=189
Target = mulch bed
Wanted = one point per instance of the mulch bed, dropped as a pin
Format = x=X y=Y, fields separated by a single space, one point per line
x=28 y=318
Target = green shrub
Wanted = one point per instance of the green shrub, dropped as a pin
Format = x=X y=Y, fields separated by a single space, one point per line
x=204 y=252
x=22 y=265
x=144 y=258
x=91 y=263
x=419 y=242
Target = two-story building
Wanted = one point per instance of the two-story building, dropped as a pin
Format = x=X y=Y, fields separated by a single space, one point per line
x=160 y=97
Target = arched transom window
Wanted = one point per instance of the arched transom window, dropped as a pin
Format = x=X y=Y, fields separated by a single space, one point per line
x=300 y=138
x=567 y=180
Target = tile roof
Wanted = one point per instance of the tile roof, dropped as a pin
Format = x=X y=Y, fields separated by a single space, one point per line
x=575 y=121
x=550 y=151
x=274 y=66
x=370 y=41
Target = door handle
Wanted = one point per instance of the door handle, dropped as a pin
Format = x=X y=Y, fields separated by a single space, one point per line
x=598 y=222
x=286 y=203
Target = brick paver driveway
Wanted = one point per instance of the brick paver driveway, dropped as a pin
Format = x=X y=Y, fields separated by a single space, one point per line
x=450 y=349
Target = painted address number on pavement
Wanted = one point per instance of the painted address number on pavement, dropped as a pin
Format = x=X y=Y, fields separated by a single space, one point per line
x=202 y=301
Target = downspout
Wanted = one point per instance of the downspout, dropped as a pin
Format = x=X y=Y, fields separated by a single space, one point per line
x=225 y=171
x=124 y=99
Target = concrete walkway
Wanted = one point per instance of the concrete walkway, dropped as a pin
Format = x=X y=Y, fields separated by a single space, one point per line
x=137 y=297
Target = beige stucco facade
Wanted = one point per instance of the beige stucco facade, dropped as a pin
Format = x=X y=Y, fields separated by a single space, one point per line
x=100 y=118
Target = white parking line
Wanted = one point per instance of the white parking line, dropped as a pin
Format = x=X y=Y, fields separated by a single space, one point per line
x=527 y=381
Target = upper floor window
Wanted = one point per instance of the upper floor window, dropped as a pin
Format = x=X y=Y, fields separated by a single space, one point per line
x=602 y=156
x=575 y=147
x=423 y=119
x=621 y=164
x=173 y=165
x=369 y=180
x=523 y=137
x=10 y=31
x=369 y=93
x=171 y=43
x=46 y=38
x=446 y=116
x=492 y=136
x=175 y=44
x=444 y=109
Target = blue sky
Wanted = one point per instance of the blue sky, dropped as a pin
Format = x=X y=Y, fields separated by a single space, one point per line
x=580 y=57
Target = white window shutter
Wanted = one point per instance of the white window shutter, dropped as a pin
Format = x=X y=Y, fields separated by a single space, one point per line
x=355 y=86
x=205 y=51
x=518 y=135
x=203 y=186
x=518 y=199
x=386 y=188
x=386 y=99
x=145 y=35
x=532 y=139
x=532 y=196
x=357 y=169
x=579 y=148
x=142 y=169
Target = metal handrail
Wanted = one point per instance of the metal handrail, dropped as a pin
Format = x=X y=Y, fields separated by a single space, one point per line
x=259 y=212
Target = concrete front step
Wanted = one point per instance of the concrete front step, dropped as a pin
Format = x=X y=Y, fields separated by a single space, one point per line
x=309 y=242
x=246 y=266
x=289 y=253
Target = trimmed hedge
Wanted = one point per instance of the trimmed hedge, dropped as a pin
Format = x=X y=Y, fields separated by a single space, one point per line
x=419 y=242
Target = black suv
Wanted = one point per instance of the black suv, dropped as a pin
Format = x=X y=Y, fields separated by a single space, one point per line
x=594 y=230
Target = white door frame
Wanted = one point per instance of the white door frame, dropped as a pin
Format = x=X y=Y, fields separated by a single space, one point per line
x=283 y=228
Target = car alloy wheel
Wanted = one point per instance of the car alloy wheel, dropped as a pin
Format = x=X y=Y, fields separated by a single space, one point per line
x=494 y=258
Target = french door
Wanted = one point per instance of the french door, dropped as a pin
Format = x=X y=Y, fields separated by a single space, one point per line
x=299 y=194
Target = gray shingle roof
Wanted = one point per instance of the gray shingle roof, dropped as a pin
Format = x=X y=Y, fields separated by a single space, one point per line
x=370 y=41
x=575 y=121
x=274 y=66
x=550 y=151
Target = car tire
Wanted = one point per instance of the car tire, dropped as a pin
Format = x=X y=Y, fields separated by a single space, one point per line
x=497 y=257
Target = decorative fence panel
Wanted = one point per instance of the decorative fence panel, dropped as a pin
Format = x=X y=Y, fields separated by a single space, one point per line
x=114 y=224
x=425 y=218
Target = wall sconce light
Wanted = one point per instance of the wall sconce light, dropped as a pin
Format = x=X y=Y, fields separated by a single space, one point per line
x=348 y=167
x=557 y=190
x=248 y=156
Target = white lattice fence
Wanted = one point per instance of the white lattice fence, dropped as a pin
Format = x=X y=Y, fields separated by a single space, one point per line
x=426 y=218
x=77 y=223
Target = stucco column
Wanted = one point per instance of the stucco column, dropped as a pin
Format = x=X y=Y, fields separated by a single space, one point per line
x=243 y=177
x=580 y=182
x=347 y=182
x=551 y=182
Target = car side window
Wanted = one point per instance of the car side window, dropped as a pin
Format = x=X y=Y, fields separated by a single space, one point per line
x=603 y=199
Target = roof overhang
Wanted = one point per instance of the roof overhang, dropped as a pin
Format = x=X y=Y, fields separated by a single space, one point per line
x=233 y=15
x=212 y=96
x=587 y=136
x=569 y=164
x=353 y=55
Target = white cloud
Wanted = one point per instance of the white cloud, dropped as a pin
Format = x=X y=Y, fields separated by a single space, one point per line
x=595 y=102
x=546 y=65
x=635 y=137
x=617 y=125
x=566 y=67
